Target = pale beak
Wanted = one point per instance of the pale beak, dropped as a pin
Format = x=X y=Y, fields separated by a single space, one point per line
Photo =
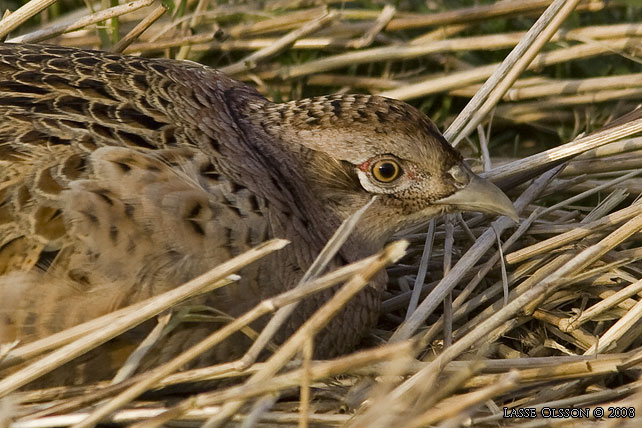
x=480 y=195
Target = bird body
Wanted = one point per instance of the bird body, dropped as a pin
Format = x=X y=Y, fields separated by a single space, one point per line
x=122 y=177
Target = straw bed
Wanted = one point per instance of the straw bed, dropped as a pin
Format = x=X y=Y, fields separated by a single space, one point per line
x=481 y=316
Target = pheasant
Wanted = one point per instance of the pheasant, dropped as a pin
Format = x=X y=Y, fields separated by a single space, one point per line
x=122 y=177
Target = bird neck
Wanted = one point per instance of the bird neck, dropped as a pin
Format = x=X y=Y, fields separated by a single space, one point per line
x=249 y=150
x=249 y=146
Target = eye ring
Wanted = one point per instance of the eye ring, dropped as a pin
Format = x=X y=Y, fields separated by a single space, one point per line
x=386 y=170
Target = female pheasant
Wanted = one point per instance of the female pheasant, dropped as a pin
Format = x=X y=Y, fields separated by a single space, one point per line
x=121 y=177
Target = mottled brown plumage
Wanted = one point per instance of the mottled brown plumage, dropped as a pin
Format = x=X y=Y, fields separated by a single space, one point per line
x=121 y=177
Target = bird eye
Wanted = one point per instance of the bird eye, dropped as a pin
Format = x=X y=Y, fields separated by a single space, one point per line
x=386 y=170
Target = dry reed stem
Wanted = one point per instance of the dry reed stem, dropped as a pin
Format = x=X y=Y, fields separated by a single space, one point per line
x=509 y=110
x=452 y=16
x=628 y=161
x=515 y=63
x=453 y=383
x=328 y=252
x=131 y=416
x=482 y=42
x=94 y=18
x=353 y=81
x=440 y=33
x=479 y=276
x=575 y=234
x=615 y=148
x=306 y=379
x=435 y=84
x=521 y=302
x=163 y=44
x=390 y=53
x=135 y=358
x=154 y=376
x=634 y=187
x=536 y=278
x=279 y=23
x=318 y=370
x=617 y=330
x=465 y=308
x=136 y=314
x=569 y=324
x=5 y=348
x=284 y=42
x=422 y=270
x=310 y=43
x=196 y=18
x=460 y=403
x=565 y=151
x=585 y=258
x=449 y=242
x=471 y=257
x=561 y=87
x=390 y=254
x=139 y=29
x=465 y=15
x=22 y=14
x=600 y=210
x=382 y=20
x=32 y=349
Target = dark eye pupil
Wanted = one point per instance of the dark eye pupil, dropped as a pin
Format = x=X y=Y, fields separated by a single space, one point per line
x=387 y=170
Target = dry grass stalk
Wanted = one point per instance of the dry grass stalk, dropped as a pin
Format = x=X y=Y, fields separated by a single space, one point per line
x=280 y=23
x=460 y=403
x=521 y=109
x=473 y=13
x=576 y=147
x=434 y=84
x=139 y=28
x=229 y=368
x=283 y=43
x=320 y=263
x=481 y=273
x=505 y=75
x=18 y=17
x=536 y=278
x=164 y=44
x=609 y=302
x=527 y=90
x=136 y=357
x=94 y=18
x=413 y=50
x=123 y=320
x=392 y=253
x=382 y=20
x=575 y=234
x=473 y=255
x=524 y=300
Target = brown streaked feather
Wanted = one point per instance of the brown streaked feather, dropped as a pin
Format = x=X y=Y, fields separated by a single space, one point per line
x=92 y=229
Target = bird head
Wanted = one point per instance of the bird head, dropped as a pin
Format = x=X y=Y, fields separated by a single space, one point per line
x=352 y=147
